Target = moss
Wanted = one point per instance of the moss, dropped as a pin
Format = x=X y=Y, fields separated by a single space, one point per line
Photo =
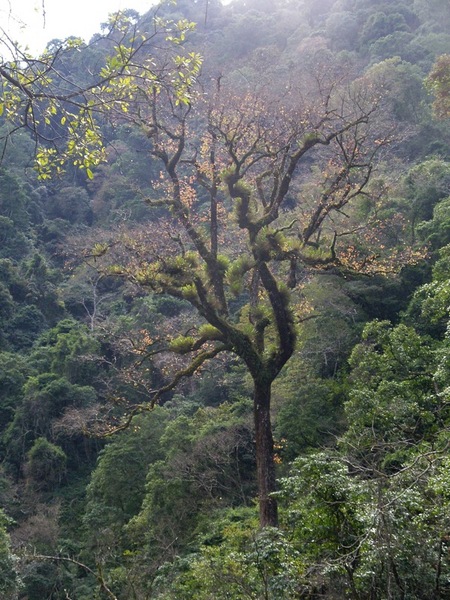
x=236 y=287
x=310 y=138
x=220 y=266
x=228 y=175
x=223 y=262
x=177 y=265
x=190 y=259
x=189 y=292
x=262 y=246
x=242 y=191
x=261 y=313
x=182 y=344
x=236 y=271
x=209 y=332
x=285 y=294
x=144 y=276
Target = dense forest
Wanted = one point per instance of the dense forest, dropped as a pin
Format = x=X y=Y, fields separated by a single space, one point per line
x=224 y=296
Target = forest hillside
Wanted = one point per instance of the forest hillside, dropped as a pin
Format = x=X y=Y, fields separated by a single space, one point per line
x=224 y=296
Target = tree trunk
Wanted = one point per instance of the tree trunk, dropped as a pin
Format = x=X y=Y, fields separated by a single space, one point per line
x=265 y=466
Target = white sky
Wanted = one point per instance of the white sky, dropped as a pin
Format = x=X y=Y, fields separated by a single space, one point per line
x=23 y=20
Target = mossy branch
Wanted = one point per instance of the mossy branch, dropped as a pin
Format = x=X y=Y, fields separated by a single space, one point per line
x=190 y=370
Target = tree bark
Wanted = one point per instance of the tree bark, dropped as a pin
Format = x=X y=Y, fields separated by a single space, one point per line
x=265 y=466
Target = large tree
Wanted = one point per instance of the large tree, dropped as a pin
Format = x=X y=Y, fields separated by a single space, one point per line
x=259 y=191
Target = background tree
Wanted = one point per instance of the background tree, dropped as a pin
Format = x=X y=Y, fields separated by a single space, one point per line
x=439 y=82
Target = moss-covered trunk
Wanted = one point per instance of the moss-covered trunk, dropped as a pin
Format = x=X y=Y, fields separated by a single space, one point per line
x=265 y=466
